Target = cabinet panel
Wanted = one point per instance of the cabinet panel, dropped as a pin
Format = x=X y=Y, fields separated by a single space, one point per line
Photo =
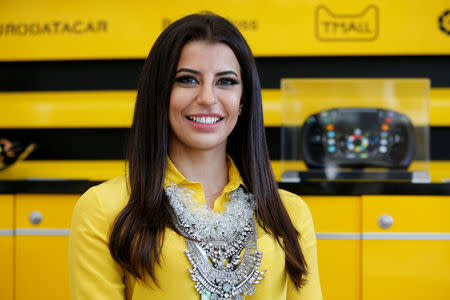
x=6 y=246
x=410 y=213
x=41 y=249
x=335 y=213
x=56 y=210
x=406 y=269
x=340 y=268
x=410 y=259
x=337 y=221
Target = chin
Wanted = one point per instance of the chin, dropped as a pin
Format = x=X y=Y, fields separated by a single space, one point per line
x=206 y=145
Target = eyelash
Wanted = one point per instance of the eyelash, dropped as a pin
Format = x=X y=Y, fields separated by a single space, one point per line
x=229 y=81
x=185 y=79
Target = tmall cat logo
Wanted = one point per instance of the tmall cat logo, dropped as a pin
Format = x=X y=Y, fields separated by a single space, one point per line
x=361 y=26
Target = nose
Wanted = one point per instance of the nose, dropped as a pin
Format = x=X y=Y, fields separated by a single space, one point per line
x=206 y=96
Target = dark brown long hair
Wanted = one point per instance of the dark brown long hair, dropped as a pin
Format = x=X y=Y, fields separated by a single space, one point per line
x=138 y=232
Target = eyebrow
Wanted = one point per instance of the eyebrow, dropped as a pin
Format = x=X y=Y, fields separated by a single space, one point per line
x=187 y=70
x=197 y=72
x=226 y=72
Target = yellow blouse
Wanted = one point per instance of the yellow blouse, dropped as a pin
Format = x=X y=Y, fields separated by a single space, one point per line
x=95 y=275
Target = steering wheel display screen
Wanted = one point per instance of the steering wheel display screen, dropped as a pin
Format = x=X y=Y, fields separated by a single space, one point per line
x=355 y=137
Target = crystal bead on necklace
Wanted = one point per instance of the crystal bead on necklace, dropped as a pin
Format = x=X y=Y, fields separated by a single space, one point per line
x=221 y=248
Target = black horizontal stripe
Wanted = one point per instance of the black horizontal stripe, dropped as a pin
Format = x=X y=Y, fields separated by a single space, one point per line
x=365 y=188
x=110 y=143
x=302 y=188
x=436 y=68
x=123 y=74
x=72 y=144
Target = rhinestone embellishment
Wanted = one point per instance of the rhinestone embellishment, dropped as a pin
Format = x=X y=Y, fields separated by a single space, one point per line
x=221 y=248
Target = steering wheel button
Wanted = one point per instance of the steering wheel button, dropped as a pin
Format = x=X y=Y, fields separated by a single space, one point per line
x=383 y=149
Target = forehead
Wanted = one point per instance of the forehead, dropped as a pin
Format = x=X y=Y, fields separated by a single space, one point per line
x=206 y=56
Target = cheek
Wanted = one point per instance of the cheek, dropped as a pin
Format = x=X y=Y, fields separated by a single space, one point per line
x=177 y=103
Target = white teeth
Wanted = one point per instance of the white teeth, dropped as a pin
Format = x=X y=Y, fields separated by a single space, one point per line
x=204 y=120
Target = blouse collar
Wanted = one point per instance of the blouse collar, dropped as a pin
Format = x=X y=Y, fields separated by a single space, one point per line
x=173 y=176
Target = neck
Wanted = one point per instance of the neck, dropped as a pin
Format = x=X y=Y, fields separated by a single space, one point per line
x=208 y=167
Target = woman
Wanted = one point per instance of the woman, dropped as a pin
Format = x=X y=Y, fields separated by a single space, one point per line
x=200 y=216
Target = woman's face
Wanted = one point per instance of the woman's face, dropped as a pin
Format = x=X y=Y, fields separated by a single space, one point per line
x=205 y=98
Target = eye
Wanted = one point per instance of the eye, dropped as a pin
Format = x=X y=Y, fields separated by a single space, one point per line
x=227 y=81
x=186 y=79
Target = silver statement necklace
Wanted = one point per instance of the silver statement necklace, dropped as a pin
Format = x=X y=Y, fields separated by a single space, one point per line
x=221 y=248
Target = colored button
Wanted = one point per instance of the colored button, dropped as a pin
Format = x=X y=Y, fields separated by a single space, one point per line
x=330 y=127
x=357 y=131
x=331 y=149
x=331 y=134
x=326 y=121
x=383 y=149
x=331 y=141
x=388 y=120
x=384 y=142
x=357 y=149
x=385 y=127
x=365 y=142
x=363 y=155
x=384 y=134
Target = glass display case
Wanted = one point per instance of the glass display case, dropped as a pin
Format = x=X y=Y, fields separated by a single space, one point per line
x=355 y=129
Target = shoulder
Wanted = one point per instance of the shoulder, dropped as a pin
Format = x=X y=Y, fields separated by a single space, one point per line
x=293 y=203
x=300 y=215
x=107 y=198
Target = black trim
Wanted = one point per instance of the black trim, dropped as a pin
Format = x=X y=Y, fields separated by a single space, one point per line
x=272 y=69
x=316 y=188
x=110 y=143
x=46 y=187
x=123 y=74
x=365 y=188
x=72 y=144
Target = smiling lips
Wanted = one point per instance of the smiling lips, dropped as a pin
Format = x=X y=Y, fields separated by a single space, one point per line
x=205 y=121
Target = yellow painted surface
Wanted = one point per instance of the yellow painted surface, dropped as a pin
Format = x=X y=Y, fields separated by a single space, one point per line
x=6 y=267
x=439 y=107
x=340 y=269
x=339 y=260
x=6 y=247
x=413 y=270
x=303 y=97
x=66 y=169
x=115 y=108
x=41 y=266
x=410 y=213
x=62 y=29
x=55 y=209
x=67 y=109
x=104 y=170
x=6 y=211
x=335 y=213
